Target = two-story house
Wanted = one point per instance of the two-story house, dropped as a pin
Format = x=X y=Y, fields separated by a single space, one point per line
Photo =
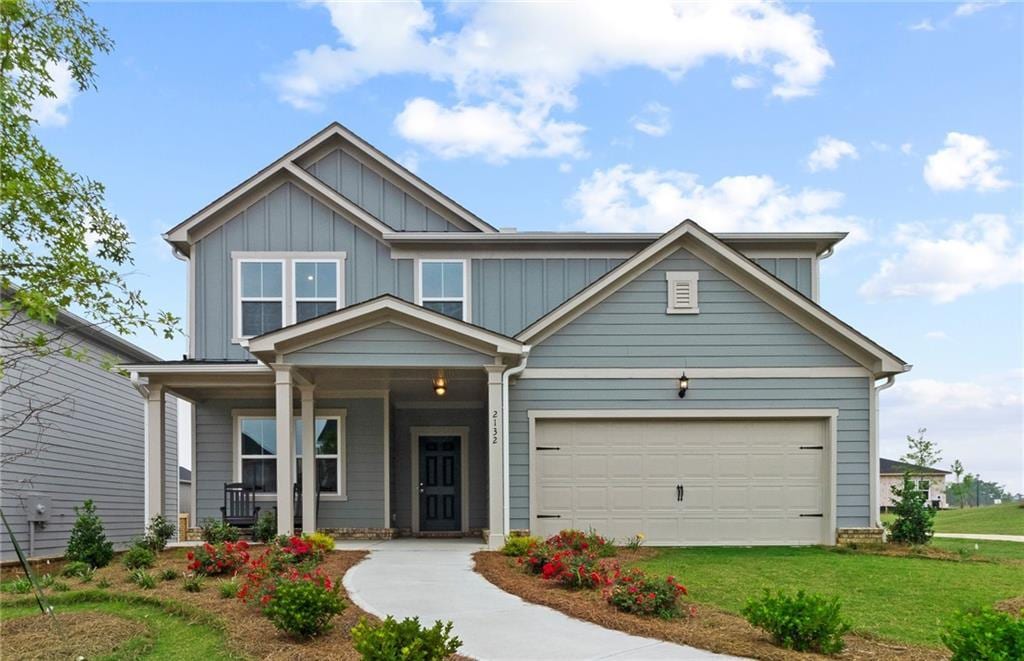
x=356 y=331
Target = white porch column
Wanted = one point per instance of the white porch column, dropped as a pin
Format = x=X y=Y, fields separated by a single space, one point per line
x=285 y=449
x=308 y=461
x=495 y=457
x=155 y=450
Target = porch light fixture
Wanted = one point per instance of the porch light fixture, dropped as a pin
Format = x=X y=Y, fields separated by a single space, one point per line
x=684 y=385
x=440 y=386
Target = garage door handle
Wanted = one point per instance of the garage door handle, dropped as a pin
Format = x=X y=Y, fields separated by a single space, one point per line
x=816 y=516
x=680 y=492
x=549 y=516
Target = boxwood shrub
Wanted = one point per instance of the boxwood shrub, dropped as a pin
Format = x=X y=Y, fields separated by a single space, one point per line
x=802 y=622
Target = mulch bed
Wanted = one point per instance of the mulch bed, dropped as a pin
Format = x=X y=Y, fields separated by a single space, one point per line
x=249 y=633
x=72 y=636
x=1013 y=606
x=711 y=629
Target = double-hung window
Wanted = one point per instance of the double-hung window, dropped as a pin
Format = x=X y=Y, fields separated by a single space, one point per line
x=261 y=295
x=316 y=288
x=443 y=287
x=257 y=452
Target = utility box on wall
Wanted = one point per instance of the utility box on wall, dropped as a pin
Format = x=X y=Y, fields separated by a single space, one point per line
x=37 y=507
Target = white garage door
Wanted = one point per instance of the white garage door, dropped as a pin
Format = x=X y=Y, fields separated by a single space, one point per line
x=684 y=481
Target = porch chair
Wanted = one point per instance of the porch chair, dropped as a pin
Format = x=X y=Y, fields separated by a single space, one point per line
x=240 y=509
x=297 y=502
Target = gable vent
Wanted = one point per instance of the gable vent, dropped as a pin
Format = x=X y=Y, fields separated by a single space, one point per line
x=682 y=292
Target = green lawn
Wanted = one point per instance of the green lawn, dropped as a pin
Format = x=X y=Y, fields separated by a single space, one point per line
x=981 y=549
x=1005 y=519
x=175 y=635
x=904 y=599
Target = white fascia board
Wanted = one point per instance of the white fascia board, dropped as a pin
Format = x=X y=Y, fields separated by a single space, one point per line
x=336 y=201
x=196 y=368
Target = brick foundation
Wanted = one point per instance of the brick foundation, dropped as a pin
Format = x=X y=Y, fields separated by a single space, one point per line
x=860 y=536
x=360 y=533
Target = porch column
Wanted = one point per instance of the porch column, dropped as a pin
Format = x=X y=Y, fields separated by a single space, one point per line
x=308 y=461
x=495 y=457
x=285 y=449
x=155 y=450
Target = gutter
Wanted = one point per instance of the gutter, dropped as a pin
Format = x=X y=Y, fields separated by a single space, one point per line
x=505 y=377
x=873 y=451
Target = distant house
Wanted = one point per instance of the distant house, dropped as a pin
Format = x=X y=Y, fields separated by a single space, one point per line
x=930 y=480
x=185 y=492
x=86 y=440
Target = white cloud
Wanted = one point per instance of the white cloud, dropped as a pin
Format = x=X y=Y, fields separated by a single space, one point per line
x=829 y=152
x=979 y=254
x=971 y=8
x=515 y=66
x=565 y=168
x=967 y=161
x=924 y=25
x=653 y=120
x=879 y=146
x=936 y=335
x=53 y=111
x=622 y=199
x=907 y=148
x=976 y=420
x=745 y=82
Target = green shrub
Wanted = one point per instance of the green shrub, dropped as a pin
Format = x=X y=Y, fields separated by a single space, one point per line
x=192 y=582
x=986 y=635
x=805 y=622
x=88 y=543
x=75 y=569
x=87 y=576
x=45 y=581
x=216 y=532
x=103 y=584
x=142 y=578
x=319 y=540
x=913 y=522
x=158 y=533
x=302 y=608
x=636 y=592
x=406 y=640
x=139 y=556
x=518 y=546
x=168 y=574
x=265 y=528
x=229 y=588
x=18 y=586
x=59 y=586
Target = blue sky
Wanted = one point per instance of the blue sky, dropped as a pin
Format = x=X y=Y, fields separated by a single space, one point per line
x=540 y=117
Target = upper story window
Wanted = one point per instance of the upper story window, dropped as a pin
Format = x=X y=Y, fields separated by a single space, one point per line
x=262 y=296
x=443 y=287
x=273 y=290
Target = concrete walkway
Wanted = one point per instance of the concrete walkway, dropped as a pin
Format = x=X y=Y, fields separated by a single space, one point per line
x=985 y=537
x=434 y=580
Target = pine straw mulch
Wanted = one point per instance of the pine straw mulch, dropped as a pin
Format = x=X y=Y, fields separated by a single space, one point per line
x=1013 y=606
x=72 y=636
x=712 y=629
x=249 y=634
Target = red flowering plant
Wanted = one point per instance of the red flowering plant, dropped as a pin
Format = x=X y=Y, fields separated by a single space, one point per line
x=580 y=569
x=642 y=594
x=265 y=574
x=296 y=550
x=213 y=559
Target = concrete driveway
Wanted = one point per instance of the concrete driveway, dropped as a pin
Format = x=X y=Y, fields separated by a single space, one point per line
x=434 y=580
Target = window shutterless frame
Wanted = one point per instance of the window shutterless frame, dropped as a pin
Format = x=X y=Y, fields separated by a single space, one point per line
x=464 y=299
x=338 y=280
x=238 y=291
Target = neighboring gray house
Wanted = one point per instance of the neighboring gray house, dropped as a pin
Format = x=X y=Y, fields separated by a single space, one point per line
x=353 y=326
x=185 y=493
x=85 y=442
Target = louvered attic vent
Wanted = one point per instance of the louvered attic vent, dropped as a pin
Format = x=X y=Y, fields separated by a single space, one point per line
x=682 y=292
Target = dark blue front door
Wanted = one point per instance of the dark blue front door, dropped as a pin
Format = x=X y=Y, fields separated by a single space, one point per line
x=440 y=471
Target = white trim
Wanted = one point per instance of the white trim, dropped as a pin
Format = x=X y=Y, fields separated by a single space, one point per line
x=446 y=253
x=693 y=372
x=464 y=299
x=197 y=368
x=829 y=416
x=341 y=415
x=782 y=253
x=387 y=458
x=336 y=201
x=238 y=299
x=414 y=453
x=193 y=493
x=339 y=283
x=424 y=405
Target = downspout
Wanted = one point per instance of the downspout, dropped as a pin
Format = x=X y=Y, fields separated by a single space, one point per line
x=144 y=391
x=874 y=450
x=505 y=377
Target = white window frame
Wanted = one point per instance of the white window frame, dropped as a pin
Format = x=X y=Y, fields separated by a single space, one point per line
x=296 y=299
x=464 y=299
x=288 y=302
x=239 y=299
x=340 y=415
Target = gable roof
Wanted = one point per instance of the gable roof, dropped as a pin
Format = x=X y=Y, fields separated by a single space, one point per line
x=290 y=167
x=382 y=309
x=746 y=273
x=893 y=467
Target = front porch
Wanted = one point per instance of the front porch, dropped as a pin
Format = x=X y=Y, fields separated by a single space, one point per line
x=390 y=423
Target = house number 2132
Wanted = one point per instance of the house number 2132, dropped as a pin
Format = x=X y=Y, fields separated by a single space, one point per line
x=494 y=427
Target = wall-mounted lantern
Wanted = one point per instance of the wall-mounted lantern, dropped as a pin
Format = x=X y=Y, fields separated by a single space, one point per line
x=684 y=385
x=440 y=386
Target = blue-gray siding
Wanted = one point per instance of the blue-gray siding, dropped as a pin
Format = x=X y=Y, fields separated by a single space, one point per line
x=89 y=445
x=388 y=345
x=733 y=329
x=380 y=197
x=849 y=395
x=797 y=272
x=364 y=463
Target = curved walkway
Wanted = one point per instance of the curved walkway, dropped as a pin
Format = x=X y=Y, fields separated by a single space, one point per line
x=434 y=580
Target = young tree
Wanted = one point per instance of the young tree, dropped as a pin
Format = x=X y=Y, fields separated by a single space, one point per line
x=913 y=523
x=957 y=488
x=922 y=452
x=59 y=245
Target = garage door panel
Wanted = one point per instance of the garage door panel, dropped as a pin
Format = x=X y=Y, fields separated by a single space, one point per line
x=746 y=482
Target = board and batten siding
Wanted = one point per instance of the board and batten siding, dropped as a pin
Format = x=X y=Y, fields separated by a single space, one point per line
x=344 y=172
x=90 y=445
x=388 y=345
x=364 y=461
x=797 y=272
x=285 y=220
